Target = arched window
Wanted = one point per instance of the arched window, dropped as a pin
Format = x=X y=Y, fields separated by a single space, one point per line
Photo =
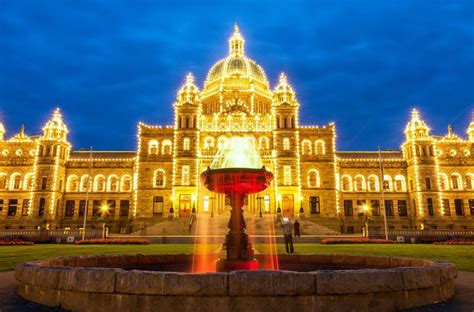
x=72 y=183
x=112 y=183
x=346 y=183
x=85 y=183
x=359 y=183
x=400 y=183
x=153 y=147
x=3 y=181
x=15 y=181
x=221 y=142
x=264 y=143
x=99 y=183
x=469 y=179
x=443 y=182
x=306 y=147
x=456 y=181
x=28 y=181
x=319 y=147
x=159 y=178
x=208 y=143
x=166 y=147
x=313 y=178
x=387 y=183
x=373 y=183
x=126 y=183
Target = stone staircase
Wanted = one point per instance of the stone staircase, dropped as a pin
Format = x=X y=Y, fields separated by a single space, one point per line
x=205 y=225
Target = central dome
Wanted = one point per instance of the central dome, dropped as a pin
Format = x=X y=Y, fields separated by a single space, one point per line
x=236 y=65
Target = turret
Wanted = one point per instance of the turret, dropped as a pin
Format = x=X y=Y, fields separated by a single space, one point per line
x=286 y=105
x=470 y=129
x=236 y=43
x=416 y=127
x=2 y=132
x=55 y=128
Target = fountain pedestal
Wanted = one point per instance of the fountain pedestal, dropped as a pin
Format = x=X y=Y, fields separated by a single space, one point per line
x=236 y=183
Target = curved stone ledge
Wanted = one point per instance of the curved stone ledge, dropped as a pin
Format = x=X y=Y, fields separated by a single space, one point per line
x=106 y=283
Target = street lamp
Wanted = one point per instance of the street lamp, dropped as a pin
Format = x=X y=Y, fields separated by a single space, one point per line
x=366 y=226
x=103 y=209
x=301 y=208
x=171 y=212
x=193 y=210
x=279 y=209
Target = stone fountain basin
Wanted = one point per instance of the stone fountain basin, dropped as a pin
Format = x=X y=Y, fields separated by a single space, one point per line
x=353 y=283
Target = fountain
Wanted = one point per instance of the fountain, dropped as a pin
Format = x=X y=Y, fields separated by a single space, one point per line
x=306 y=282
x=236 y=172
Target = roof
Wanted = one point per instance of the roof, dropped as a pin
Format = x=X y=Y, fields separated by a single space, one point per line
x=360 y=155
x=102 y=155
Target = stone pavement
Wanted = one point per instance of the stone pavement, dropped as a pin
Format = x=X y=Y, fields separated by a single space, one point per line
x=463 y=301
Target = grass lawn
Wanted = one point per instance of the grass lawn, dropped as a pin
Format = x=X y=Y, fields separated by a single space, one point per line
x=461 y=256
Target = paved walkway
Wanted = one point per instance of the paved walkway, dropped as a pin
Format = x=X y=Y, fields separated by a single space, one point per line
x=463 y=301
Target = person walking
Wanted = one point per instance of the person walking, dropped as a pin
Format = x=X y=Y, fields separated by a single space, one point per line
x=296 y=227
x=288 y=235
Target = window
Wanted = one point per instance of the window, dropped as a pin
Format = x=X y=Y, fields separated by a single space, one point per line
x=221 y=142
x=428 y=183
x=12 y=207
x=359 y=183
x=15 y=181
x=166 y=147
x=286 y=175
x=389 y=208
x=82 y=207
x=25 y=207
x=1 y=205
x=157 y=204
x=126 y=183
x=96 y=208
x=360 y=206
x=185 y=175
x=124 y=208
x=186 y=144
x=286 y=144
x=3 y=181
x=313 y=178
x=373 y=183
x=459 y=207
x=469 y=181
x=153 y=147
x=99 y=183
x=44 y=183
x=443 y=181
x=456 y=181
x=346 y=183
x=400 y=185
x=429 y=203
x=375 y=206
x=402 y=208
x=387 y=183
x=314 y=205
x=112 y=184
x=471 y=207
x=319 y=147
x=414 y=207
x=111 y=206
x=306 y=147
x=70 y=208
x=446 y=208
x=159 y=178
x=348 y=209
x=85 y=183
x=208 y=143
x=41 y=206
x=264 y=143
x=28 y=183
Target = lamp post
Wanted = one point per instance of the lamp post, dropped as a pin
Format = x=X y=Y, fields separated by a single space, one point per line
x=103 y=209
x=171 y=212
x=301 y=208
x=259 y=201
x=366 y=225
x=86 y=208
x=193 y=210
x=279 y=209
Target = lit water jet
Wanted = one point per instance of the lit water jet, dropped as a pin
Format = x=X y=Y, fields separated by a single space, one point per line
x=237 y=171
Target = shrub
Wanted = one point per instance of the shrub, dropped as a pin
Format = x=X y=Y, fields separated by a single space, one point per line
x=358 y=240
x=114 y=241
x=14 y=242
x=457 y=241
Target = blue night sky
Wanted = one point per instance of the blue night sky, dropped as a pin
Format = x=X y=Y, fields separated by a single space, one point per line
x=110 y=64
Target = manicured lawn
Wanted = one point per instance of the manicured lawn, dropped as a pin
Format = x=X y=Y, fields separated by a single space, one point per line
x=461 y=256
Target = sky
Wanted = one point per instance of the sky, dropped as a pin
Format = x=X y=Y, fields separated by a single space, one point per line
x=362 y=64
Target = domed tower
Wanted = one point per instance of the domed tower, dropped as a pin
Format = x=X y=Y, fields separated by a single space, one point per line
x=186 y=144
x=419 y=150
x=53 y=151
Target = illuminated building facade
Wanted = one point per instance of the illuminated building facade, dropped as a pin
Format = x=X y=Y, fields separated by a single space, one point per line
x=429 y=183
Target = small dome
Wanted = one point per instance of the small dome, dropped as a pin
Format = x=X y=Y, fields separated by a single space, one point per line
x=236 y=66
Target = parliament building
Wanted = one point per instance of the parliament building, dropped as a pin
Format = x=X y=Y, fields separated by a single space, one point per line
x=427 y=184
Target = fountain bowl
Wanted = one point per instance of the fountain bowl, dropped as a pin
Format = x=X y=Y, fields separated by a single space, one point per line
x=306 y=283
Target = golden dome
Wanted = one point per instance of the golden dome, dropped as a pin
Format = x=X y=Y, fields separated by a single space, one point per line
x=236 y=64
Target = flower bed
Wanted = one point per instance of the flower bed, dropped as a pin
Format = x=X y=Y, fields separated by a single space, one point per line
x=14 y=242
x=114 y=241
x=358 y=240
x=457 y=241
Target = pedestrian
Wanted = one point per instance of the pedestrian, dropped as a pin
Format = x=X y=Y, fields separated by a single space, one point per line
x=288 y=235
x=296 y=227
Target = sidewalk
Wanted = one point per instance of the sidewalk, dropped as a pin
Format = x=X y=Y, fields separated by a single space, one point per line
x=462 y=301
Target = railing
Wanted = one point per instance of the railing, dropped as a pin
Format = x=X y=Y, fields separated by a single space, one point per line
x=422 y=233
x=44 y=235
